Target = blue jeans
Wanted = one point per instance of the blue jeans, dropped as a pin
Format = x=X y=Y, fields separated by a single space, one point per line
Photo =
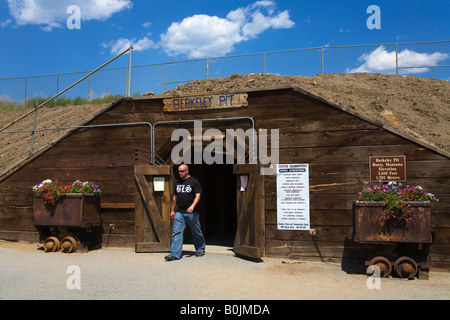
x=179 y=224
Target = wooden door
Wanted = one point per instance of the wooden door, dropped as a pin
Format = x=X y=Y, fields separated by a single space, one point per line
x=152 y=211
x=250 y=234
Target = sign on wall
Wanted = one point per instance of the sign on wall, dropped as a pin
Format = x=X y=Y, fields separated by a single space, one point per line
x=293 y=196
x=387 y=168
x=218 y=101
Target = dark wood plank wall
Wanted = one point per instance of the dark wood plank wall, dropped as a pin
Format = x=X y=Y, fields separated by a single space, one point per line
x=337 y=146
x=103 y=155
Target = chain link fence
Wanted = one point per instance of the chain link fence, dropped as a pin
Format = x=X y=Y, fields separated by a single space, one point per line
x=425 y=59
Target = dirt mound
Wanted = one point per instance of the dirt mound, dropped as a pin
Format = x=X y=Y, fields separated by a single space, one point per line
x=413 y=105
x=15 y=147
x=416 y=106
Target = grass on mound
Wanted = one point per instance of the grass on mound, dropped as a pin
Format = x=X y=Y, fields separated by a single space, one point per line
x=60 y=101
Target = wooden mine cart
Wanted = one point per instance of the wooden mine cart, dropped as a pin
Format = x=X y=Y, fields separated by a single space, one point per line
x=412 y=240
x=71 y=224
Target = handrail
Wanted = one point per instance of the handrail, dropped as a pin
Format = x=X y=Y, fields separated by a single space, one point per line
x=152 y=129
x=130 y=48
x=88 y=126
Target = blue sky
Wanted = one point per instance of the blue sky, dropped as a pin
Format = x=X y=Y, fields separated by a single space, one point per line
x=38 y=38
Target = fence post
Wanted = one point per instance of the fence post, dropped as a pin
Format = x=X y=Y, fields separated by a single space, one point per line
x=34 y=126
x=264 y=63
x=25 y=95
x=396 y=59
x=57 y=87
x=322 y=59
x=165 y=76
x=129 y=72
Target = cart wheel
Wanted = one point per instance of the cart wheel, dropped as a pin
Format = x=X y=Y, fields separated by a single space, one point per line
x=383 y=264
x=52 y=244
x=405 y=267
x=68 y=244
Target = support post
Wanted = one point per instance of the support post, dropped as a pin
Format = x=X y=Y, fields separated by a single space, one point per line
x=130 y=66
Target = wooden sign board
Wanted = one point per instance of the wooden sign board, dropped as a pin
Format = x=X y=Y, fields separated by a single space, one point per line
x=220 y=101
x=387 y=168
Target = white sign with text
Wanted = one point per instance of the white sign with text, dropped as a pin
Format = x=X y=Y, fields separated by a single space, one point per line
x=293 y=196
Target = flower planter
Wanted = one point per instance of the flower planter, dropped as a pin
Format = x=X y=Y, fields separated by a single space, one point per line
x=79 y=210
x=370 y=224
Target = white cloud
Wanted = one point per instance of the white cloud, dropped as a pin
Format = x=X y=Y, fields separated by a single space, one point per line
x=52 y=14
x=5 y=23
x=117 y=46
x=383 y=61
x=202 y=35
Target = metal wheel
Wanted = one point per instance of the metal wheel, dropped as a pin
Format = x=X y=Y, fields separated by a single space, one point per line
x=383 y=264
x=405 y=267
x=68 y=244
x=52 y=244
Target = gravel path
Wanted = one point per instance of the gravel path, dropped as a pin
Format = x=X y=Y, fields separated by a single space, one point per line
x=27 y=272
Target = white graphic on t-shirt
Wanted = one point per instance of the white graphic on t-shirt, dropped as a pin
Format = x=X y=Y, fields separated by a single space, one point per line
x=184 y=189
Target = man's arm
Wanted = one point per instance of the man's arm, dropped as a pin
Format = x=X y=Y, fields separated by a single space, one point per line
x=174 y=205
x=196 y=200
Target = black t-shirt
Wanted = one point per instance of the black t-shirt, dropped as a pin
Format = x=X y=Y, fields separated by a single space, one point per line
x=185 y=190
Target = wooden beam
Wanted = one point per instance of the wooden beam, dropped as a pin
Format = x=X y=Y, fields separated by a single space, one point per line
x=117 y=205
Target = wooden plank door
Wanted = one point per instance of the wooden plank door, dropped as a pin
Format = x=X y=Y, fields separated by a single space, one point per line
x=152 y=212
x=250 y=234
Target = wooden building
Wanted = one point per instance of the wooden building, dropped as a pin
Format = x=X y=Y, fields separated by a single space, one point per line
x=334 y=141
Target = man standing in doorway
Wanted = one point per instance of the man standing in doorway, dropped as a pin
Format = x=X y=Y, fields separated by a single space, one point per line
x=185 y=211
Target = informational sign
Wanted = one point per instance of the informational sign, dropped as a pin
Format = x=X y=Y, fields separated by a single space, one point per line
x=293 y=196
x=158 y=183
x=387 y=168
x=218 y=101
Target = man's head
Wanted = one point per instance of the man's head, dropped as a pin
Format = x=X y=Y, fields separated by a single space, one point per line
x=183 y=171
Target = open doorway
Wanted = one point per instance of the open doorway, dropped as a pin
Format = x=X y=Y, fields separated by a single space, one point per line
x=217 y=207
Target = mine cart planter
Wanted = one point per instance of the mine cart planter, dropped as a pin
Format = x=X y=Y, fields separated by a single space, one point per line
x=372 y=227
x=69 y=223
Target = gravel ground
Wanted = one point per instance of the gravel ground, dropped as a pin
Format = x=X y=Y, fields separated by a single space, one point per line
x=27 y=272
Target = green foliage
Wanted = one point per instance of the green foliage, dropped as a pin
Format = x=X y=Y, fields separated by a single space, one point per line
x=396 y=197
x=60 y=101
x=52 y=191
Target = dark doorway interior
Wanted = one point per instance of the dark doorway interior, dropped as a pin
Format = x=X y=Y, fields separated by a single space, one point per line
x=218 y=215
